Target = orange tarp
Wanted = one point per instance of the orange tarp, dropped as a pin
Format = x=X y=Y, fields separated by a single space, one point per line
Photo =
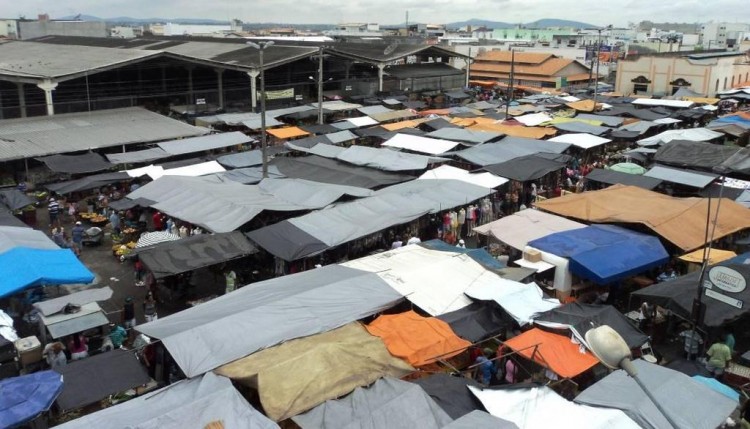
x=287 y=132
x=441 y=112
x=395 y=126
x=682 y=221
x=516 y=131
x=583 y=105
x=416 y=339
x=554 y=352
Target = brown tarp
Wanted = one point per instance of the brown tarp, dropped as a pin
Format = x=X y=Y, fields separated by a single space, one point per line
x=301 y=374
x=682 y=221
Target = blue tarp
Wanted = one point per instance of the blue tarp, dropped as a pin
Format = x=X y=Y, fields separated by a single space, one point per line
x=481 y=256
x=22 y=267
x=718 y=386
x=604 y=253
x=23 y=398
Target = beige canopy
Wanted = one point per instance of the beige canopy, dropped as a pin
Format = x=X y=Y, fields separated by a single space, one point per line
x=301 y=374
x=682 y=221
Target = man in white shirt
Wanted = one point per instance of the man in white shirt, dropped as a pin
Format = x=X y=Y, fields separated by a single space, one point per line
x=413 y=240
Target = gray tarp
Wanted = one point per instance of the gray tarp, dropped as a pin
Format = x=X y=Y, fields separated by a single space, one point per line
x=464 y=135
x=738 y=163
x=388 y=403
x=14 y=199
x=528 y=167
x=207 y=142
x=216 y=332
x=13 y=236
x=191 y=253
x=224 y=207
x=88 y=182
x=369 y=110
x=689 y=403
x=319 y=169
x=75 y=164
x=386 y=159
x=188 y=403
x=247 y=176
x=145 y=155
x=451 y=393
x=610 y=121
x=127 y=203
x=582 y=127
x=479 y=419
x=507 y=149
x=7 y=219
x=320 y=149
x=241 y=159
x=56 y=305
x=612 y=177
x=683 y=177
x=690 y=154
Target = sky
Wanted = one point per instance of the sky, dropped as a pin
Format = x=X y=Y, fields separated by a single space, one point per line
x=385 y=12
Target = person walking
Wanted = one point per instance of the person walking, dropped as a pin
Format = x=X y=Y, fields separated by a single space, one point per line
x=719 y=356
x=149 y=307
x=53 y=207
x=128 y=313
x=76 y=234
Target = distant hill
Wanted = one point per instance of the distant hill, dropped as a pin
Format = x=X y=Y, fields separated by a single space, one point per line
x=129 y=20
x=542 y=23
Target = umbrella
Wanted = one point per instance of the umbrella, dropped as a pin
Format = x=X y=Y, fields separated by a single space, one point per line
x=627 y=167
x=151 y=238
x=718 y=386
x=23 y=398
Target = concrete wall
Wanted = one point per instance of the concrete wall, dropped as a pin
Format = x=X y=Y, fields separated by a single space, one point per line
x=34 y=29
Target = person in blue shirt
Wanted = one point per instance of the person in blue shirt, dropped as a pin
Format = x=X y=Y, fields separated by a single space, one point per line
x=486 y=368
x=118 y=335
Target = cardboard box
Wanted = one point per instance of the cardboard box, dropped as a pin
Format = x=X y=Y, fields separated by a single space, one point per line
x=29 y=350
x=532 y=255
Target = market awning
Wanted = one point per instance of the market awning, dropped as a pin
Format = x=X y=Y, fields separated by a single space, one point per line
x=319 y=169
x=88 y=182
x=681 y=221
x=202 y=143
x=476 y=322
x=692 y=154
x=416 y=339
x=13 y=236
x=682 y=177
x=76 y=164
x=528 y=167
x=275 y=311
x=287 y=132
x=56 y=305
x=714 y=256
x=209 y=402
x=300 y=374
x=14 y=199
x=127 y=204
x=451 y=393
x=24 y=398
x=688 y=403
x=558 y=353
x=22 y=267
x=420 y=144
x=60 y=324
x=114 y=371
x=507 y=149
x=145 y=155
x=386 y=159
x=464 y=135
x=581 y=140
x=521 y=227
x=191 y=253
x=604 y=253
x=582 y=127
x=691 y=134
x=612 y=177
x=478 y=419
x=521 y=301
x=486 y=180
x=387 y=403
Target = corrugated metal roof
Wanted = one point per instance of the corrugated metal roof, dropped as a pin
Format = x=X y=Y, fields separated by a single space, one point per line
x=47 y=135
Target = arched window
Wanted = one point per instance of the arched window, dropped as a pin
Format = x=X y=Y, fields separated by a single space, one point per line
x=717 y=86
x=725 y=83
x=732 y=81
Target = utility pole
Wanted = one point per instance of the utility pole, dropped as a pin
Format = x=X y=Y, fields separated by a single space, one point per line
x=598 y=53
x=262 y=46
x=510 y=84
x=320 y=85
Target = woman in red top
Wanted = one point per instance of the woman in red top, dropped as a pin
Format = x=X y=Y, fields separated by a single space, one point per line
x=78 y=348
x=157 y=219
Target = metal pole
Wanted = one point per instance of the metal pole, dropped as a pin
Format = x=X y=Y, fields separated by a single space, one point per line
x=263 y=143
x=320 y=85
x=510 y=83
x=598 y=53
x=468 y=68
x=656 y=403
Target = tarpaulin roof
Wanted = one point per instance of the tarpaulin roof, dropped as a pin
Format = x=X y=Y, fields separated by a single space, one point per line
x=420 y=144
x=714 y=256
x=392 y=115
x=88 y=182
x=439 y=123
x=612 y=177
x=13 y=236
x=604 y=253
x=75 y=164
x=224 y=207
x=300 y=374
x=320 y=149
x=199 y=402
x=241 y=159
x=582 y=140
x=145 y=155
x=515 y=131
x=191 y=170
x=558 y=353
x=738 y=163
x=689 y=403
x=487 y=180
x=475 y=322
x=691 y=134
x=126 y=203
x=287 y=132
x=7 y=219
x=451 y=393
x=542 y=408
x=275 y=310
x=207 y=142
x=14 y=199
x=21 y=267
x=24 y=398
x=681 y=221
x=397 y=126
x=678 y=295
x=580 y=318
x=464 y=135
x=388 y=403
x=61 y=324
x=351 y=123
x=477 y=419
x=528 y=167
x=718 y=386
x=507 y=149
x=694 y=179
x=319 y=128
x=319 y=169
x=533 y=119
x=195 y=252
x=662 y=102
x=521 y=301
x=416 y=339
x=315 y=232
x=386 y=159
x=83 y=297
x=114 y=372
x=523 y=226
x=611 y=121
x=581 y=127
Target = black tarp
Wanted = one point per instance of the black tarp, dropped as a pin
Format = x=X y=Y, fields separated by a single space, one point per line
x=438 y=123
x=685 y=153
x=529 y=167
x=319 y=128
x=324 y=170
x=188 y=254
x=583 y=317
x=411 y=131
x=89 y=182
x=714 y=190
x=737 y=163
x=615 y=177
x=376 y=131
x=476 y=322
x=75 y=164
x=14 y=199
x=286 y=241
x=127 y=203
x=677 y=295
x=629 y=110
x=90 y=380
x=624 y=135
x=451 y=393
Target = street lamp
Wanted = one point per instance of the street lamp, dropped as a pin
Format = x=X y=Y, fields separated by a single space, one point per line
x=262 y=46
x=612 y=350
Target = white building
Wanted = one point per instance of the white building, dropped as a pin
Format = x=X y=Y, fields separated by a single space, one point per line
x=9 y=28
x=355 y=29
x=125 y=32
x=172 y=29
x=723 y=35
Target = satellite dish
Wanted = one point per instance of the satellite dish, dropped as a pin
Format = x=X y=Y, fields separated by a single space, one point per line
x=390 y=48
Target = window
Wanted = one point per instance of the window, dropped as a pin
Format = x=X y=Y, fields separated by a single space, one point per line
x=717 y=86
x=725 y=83
x=732 y=81
x=640 y=88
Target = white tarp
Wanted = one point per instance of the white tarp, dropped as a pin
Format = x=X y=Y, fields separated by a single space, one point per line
x=336 y=106
x=350 y=123
x=56 y=305
x=145 y=155
x=207 y=142
x=18 y=236
x=485 y=180
x=371 y=110
x=518 y=229
x=692 y=134
x=582 y=140
x=420 y=144
x=194 y=403
x=267 y=313
x=386 y=159
x=195 y=170
x=542 y=408
x=521 y=301
x=667 y=121
x=533 y=119
x=433 y=280
x=662 y=102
